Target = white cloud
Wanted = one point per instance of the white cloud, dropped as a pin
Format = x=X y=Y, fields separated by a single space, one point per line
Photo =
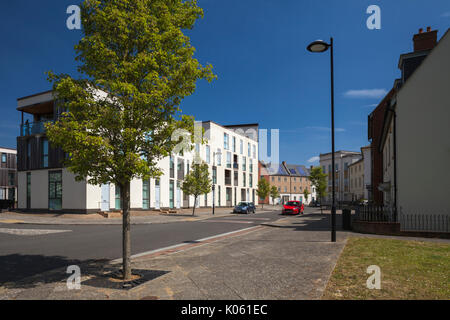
x=370 y=105
x=446 y=14
x=366 y=93
x=314 y=159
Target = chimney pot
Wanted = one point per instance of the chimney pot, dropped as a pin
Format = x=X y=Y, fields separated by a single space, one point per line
x=428 y=29
x=425 y=40
x=420 y=30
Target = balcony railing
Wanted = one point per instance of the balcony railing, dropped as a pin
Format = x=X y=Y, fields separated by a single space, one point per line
x=27 y=129
x=235 y=165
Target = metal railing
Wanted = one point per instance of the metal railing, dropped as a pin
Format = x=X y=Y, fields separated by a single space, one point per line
x=373 y=213
x=424 y=221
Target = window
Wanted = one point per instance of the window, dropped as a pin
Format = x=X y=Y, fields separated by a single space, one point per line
x=117 y=200
x=250 y=180
x=44 y=146
x=243 y=179
x=146 y=194
x=244 y=163
x=249 y=150
x=250 y=165
x=219 y=157
x=285 y=189
x=3 y=157
x=28 y=190
x=229 y=160
x=273 y=179
x=225 y=141
x=208 y=154
x=172 y=167
x=285 y=179
x=55 y=190
x=214 y=175
x=242 y=147
x=279 y=179
x=234 y=144
x=295 y=188
x=323 y=169
x=171 y=193
x=11 y=178
x=346 y=166
x=254 y=151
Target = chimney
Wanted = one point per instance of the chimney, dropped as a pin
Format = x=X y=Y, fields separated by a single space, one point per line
x=425 y=40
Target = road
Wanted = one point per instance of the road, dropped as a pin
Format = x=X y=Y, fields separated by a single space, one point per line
x=55 y=246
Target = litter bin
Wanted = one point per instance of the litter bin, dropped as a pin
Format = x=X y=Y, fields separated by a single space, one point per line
x=346 y=219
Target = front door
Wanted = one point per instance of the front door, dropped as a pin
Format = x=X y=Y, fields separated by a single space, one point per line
x=104 y=205
x=178 y=195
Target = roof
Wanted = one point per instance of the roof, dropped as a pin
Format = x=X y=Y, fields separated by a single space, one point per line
x=275 y=169
x=297 y=170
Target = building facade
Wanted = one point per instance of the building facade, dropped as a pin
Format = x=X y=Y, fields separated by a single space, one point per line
x=342 y=159
x=44 y=185
x=415 y=140
x=291 y=180
x=8 y=174
x=360 y=176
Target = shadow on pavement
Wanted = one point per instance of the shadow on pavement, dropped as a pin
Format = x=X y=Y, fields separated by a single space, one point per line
x=308 y=222
x=25 y=271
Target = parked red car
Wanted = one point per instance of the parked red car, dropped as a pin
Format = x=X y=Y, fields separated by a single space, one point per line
x=293 y=207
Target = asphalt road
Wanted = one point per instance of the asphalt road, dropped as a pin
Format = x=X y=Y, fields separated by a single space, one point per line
x=26 y=255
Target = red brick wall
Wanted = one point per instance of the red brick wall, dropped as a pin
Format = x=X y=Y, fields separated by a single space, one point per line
x=377 y=156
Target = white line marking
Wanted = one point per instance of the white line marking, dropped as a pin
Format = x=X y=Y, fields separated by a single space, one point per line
x=183 y=244
x=30 y=232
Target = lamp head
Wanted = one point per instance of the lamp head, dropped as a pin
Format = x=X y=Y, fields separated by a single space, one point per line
x=318 y=46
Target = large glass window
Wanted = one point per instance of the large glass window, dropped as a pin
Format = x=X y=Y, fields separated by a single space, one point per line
x=244 y=163
x=241 y=147
x=44 y=148
x=118 y=201
x=254 y=151
x=146 y=194
x=250 y=180
x=11 y=178
x=229 y=160
x=3 y=157
x=249 y=150
x=55 y=190
x=243 y=179
x=219 y=157
x=234 y=144
x=171 y=193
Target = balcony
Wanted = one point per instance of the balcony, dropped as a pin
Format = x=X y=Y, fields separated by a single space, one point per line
x=236 y=166
x=31 y=128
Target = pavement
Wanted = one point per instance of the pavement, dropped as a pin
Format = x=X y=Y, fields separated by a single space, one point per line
x=137 y=217
x=284 y=258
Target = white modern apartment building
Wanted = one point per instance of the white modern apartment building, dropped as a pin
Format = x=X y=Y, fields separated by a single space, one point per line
x=360 y=176
x=44 y=185
x=342 y=159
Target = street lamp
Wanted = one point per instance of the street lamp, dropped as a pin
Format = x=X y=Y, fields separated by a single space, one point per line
x=218 y=153
x=317 y=47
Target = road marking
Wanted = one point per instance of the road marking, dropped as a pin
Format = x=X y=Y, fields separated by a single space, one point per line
x=247 y=218
x=182 y=246
x=30 y=232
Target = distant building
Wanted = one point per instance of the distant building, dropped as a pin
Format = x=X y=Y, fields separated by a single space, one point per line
x=291 y=180
x=360 y=176
x=343 y=159
x=8 y=174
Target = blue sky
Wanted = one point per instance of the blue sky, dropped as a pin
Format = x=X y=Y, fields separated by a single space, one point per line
x=257 y=48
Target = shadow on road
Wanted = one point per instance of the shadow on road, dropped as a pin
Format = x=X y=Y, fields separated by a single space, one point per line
x=309 y=222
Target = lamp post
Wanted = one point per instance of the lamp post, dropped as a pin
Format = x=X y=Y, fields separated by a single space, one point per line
x=317 y=47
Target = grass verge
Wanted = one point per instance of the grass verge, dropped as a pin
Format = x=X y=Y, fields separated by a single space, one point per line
x=409 y=270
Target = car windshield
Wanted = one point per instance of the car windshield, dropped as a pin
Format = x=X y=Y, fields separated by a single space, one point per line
x=242 y=204
x=292 y=203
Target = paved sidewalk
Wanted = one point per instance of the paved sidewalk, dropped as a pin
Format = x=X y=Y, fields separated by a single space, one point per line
x=137 y=217
x=289 y=259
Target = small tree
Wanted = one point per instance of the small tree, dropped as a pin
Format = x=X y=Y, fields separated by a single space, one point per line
x=197 y=182
x=263 y=190
x=306 y=194
x=274 y=193
x=136 y=66
x=319 y=181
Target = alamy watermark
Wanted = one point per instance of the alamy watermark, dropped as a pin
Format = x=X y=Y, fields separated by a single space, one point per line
x=374 y=20
x=74 y=280
x=374 y=281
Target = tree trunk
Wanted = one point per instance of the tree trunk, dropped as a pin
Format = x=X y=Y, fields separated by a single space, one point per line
x=126 y=238
x=193 y=207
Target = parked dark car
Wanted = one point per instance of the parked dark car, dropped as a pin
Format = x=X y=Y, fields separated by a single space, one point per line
x=314 y=204
x=244 y=207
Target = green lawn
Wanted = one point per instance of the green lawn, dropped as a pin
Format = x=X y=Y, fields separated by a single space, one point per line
x=409 y=270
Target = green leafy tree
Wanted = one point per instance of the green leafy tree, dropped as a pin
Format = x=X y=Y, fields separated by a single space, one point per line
x=319 y=181
x=274 y=193
x=135 y=67
x=197 y=182
x=306 y=194
x=263 y=189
